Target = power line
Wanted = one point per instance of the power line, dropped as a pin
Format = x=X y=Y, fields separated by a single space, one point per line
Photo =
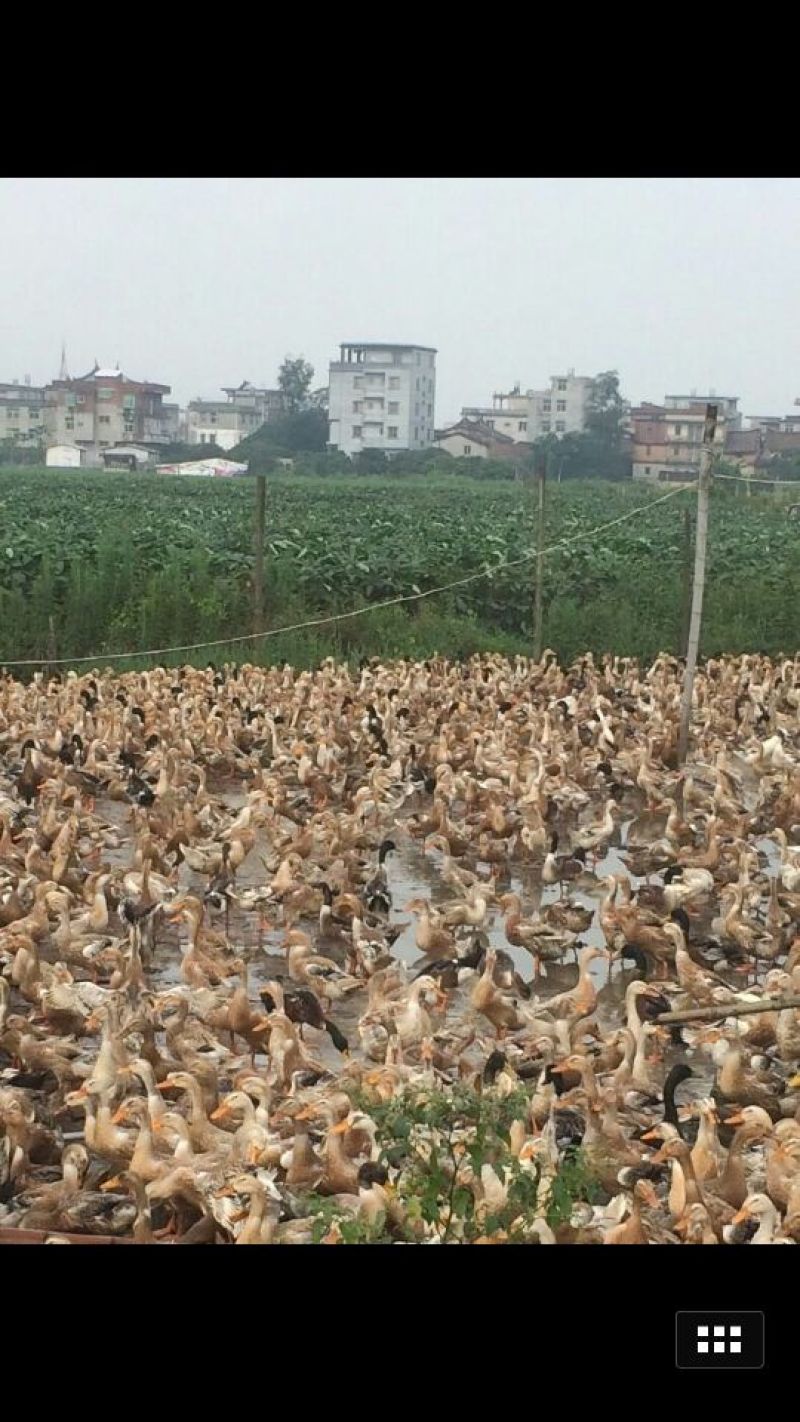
x=355 y=612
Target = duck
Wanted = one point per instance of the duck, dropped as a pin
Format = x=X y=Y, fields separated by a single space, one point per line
x=561 y=868
x=759 y=1208
x=541 y=940
x=302 y=1006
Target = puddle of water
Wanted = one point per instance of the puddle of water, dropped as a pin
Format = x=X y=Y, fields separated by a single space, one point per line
x=413 y=872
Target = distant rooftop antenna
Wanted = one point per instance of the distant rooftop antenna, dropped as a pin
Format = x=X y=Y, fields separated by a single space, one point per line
x=63 y=373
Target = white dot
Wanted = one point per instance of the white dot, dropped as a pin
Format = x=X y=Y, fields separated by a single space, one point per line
x=736 y=1347
x=719 y=1347
x=719 y=1332
x=702 y=1331
x=735 y=1330
x=702 y=1347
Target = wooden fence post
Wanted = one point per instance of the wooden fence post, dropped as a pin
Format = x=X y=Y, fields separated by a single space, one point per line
x=259 y=525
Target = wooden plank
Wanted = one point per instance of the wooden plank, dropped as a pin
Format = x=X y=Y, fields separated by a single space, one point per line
x=9 y=1235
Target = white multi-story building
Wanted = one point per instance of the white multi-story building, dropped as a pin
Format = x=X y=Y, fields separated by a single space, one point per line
x=526 y=415
x=382 y=397
x=226 y=423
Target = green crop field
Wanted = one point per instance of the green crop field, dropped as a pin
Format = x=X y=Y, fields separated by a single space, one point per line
x=95 y=562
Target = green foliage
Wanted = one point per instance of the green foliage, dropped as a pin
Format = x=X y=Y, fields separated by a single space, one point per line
x=186 y=453
x=605 y=410
x=435 y=1143
x=28 y=454
x=598 y=451
x=284 y=437
x=294 y=379
x=124 y=560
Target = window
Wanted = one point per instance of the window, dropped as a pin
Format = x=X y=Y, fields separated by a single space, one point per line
x=104 y=393
x=202 y=438
x=560 y=426
x=467 y=448
x=416 y=433
x=547 y=405
x=357 y=406
x=13 y=414
x=522 y=425
x=69 y=423
x=356 y=431
x=394 y=407
x=647 y=470
x=394 y=382
x=430 y=412
x=418 y=382
x=562 y=385
x=392 y=432
x=129 y=401
x=212 y=419
x=561 y=404
x=104 y=419
x=545 y=426
x=679 y=429
x=358 y=381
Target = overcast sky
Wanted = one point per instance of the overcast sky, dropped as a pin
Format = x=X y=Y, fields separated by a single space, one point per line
x=680 y=284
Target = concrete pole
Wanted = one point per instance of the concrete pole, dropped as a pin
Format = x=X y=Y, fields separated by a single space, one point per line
x=701 y=540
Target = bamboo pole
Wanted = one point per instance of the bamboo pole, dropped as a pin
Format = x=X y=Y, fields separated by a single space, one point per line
x=259 y=524
x=701 y=540
x=538 y=585
x=732 y=1009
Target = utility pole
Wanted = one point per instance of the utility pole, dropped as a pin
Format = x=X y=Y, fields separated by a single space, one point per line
x=537 y=592
x=701 y=540
x=259 y=524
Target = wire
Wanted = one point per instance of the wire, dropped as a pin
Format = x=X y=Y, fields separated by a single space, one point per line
x=355 y=612
x=746 y=479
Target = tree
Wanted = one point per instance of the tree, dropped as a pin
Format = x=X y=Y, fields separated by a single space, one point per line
x=318 y=399
x=181 y=453
x=294 y=379
x=304 y=432
x=598 y=451
x=605 y=410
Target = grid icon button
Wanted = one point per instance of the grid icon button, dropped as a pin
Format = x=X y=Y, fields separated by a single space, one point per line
x=719 y=1340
